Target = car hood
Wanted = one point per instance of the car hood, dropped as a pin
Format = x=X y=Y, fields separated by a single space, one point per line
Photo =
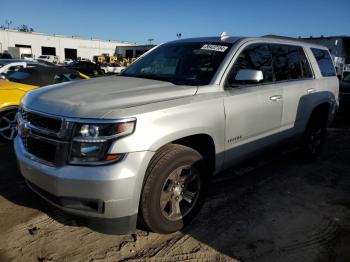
x=94 y=98
x=8 y=85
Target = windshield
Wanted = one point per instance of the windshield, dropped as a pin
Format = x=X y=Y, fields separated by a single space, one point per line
x=183 y=64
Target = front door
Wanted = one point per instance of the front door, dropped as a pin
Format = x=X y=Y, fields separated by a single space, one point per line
x=253 y=110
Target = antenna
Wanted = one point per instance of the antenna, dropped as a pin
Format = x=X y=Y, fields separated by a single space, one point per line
x=224 y=36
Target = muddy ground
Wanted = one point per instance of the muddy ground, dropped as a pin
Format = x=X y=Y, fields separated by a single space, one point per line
x=269 y=209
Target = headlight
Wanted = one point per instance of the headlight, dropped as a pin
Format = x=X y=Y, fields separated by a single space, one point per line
x=91 y=142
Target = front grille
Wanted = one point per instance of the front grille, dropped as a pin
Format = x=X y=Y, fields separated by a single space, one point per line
x=40 y=121
x=45 y=137
x=41 y=149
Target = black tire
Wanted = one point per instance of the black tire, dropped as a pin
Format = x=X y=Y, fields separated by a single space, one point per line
x=314 y=137
x=94 y=72
x=155 y=212
x=6 y=128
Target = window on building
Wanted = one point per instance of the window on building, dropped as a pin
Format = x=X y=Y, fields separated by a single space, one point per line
x=46 y=50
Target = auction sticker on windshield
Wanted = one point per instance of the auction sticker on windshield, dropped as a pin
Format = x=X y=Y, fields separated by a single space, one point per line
x=217 y=48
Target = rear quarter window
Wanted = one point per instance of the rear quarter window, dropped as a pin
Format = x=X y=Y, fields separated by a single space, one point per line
x=324 y=62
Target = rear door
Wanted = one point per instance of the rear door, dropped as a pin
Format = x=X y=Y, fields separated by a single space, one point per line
x=293 y=73
x=253 y=111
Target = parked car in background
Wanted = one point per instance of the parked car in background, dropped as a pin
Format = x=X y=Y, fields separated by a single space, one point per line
x=8 y=65
x=28 y=57
x=49 y=58
x=45 y=62
x=112 y=68
x=86 y=67
x=19 y=82
x=142 y=146
x=68 y=61
x=344 y=91
x=84 y=60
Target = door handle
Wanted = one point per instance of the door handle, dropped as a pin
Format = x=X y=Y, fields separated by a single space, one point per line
x=311 y=90
x=275 y=98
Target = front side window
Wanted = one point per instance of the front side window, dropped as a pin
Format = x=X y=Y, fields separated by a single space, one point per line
x=15 y=68
x=254 y=57
x=18 y=76
x=324 y=62
x=183 y=64
x=290 y=63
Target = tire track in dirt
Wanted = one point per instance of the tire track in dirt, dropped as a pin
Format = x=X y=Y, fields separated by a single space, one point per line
x=326 y=232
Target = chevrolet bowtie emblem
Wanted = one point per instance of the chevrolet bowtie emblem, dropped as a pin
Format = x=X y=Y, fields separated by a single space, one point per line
x=24 y=129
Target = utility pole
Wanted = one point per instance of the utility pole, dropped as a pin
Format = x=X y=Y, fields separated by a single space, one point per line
x=8 y=23
x=150 y=40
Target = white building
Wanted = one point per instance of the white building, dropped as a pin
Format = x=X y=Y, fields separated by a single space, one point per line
x=65 y=46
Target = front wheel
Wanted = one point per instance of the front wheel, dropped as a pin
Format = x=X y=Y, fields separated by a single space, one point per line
x=174 y=189
x=8 y=125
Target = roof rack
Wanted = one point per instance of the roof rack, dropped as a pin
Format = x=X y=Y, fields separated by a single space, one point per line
x=282 y=37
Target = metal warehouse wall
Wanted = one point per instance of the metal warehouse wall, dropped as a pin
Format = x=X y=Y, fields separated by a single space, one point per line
x=86 y=48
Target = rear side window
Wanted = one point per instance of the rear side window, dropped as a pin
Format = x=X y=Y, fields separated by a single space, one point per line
x=290 y=63
x=324 y=61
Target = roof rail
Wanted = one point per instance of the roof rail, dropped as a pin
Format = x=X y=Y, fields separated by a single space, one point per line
x=282 y=37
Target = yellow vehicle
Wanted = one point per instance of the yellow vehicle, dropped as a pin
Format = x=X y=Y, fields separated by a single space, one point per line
x=14 y=86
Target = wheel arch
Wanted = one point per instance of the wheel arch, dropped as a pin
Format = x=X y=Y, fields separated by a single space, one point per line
x=8 y=108
x=320 y=110
x=203 y=144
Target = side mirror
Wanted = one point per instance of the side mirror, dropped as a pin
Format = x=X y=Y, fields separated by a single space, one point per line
x=249 y=76
x=3 y=76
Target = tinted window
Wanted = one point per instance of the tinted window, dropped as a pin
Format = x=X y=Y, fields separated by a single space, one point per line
x=290 y=63
x=346 y=77
x=183 y=64
x=256 y=57
x=65 y=77
x=15 y=68
x=324 y=61
x=18 y=76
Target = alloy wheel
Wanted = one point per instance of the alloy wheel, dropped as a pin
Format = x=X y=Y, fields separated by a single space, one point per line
x=315 y=140
x=180 y=193
x=8 y=125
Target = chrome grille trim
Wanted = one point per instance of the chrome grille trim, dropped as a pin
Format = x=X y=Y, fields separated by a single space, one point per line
x=62 y=133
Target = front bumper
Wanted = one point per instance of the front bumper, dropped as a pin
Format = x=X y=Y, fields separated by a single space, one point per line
x=109 y=194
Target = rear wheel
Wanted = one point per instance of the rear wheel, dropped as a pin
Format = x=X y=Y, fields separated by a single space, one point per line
x=8 y=125
x=174 y=189
x=314 y=137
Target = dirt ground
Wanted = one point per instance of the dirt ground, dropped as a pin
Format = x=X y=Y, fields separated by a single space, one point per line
x=270 y=209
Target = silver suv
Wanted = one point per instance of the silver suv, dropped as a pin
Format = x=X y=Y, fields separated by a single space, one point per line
x=142 y=146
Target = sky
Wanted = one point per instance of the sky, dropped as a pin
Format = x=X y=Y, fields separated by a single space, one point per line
x=138 y=21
